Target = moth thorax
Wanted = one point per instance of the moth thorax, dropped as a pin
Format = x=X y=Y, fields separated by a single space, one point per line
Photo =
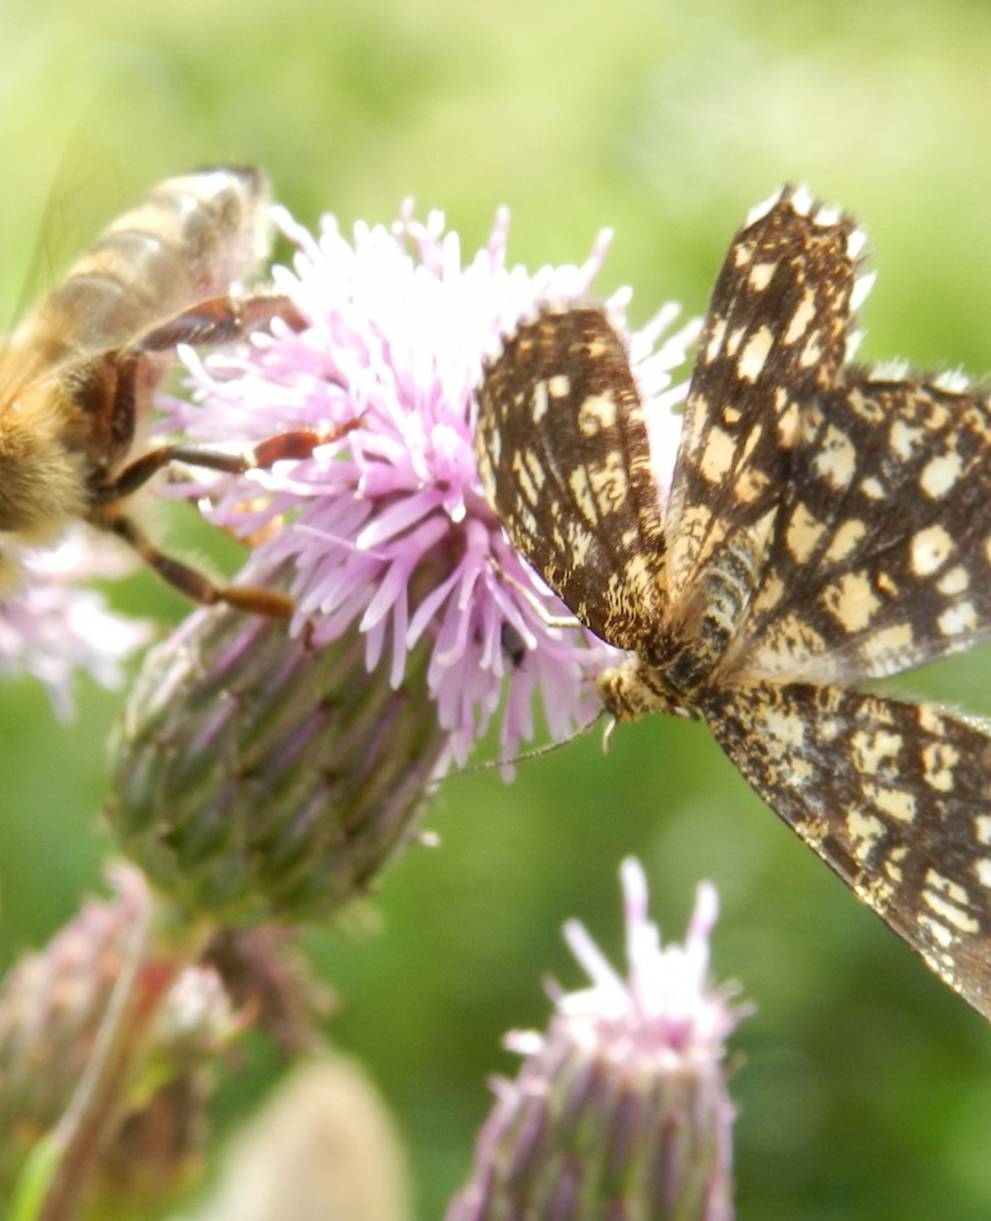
x=632 y=690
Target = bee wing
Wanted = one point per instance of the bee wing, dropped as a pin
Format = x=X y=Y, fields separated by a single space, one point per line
x=191 y=238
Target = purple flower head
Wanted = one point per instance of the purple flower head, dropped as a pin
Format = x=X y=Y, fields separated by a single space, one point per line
x=620 y=1108
x=51 y=625
x=386 y=529
x=665 y=1010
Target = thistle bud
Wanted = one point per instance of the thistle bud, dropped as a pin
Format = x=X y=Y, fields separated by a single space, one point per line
x=620 y=1108
x=259 y=777
x=52 y=1005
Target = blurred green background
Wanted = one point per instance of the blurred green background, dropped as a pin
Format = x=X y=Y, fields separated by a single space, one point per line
x=863 y=1085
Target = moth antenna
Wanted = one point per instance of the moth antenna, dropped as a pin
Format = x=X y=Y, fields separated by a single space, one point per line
x=537 y=753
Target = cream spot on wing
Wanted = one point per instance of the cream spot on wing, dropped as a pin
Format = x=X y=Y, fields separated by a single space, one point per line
x=940 y=934
x=523 y=480
x=878 y=712
x=867 y=409
x=940 y=474
x=871 y=488
x=801 y=318
x=944 y=885
x=735 y=339
x=930 y=549
x=871 y=750
x=582 y=492
x=864 y=831
x=579 y=542
x=803 y=533
x=955 y=581
x=760 y=210
x=755 y=353
x=717 y=456
x=982 y=867
x=845 y=540
x=751 y=442
x=493 y=445
x=528 y=521
x=952 y=381
x=559 y=386
x=788 y=420
x=929 y=720
x=811 y=353
x=538 y=403
x=693 y=527
x=537 y=473
x=696 y=421
x=855 y=243
x=876 y=891
x=890 y=641
x=800 y=771
x=952 y=914
x=851 y=601
x=760 y=275
x=769 y=596
x=487 y=476
x=837 y=461
x=750 y=484
x=609 y=484
x=895 y=803
x=903 y=437
x=716 y=337
x=862 y=290
x=957 y=619
x=788 y=640
x=801 y=199
x=889 y=371
x=938 y=761
x=785 y=727
x=596 y=413
x=982 y=825
x=638 y=575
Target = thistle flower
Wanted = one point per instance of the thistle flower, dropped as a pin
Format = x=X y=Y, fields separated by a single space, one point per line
x=387 y=530
x=51 y=625
x=264 y=774
x=621 y=1107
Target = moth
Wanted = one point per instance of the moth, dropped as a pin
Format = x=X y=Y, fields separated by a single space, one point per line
x=827 y=525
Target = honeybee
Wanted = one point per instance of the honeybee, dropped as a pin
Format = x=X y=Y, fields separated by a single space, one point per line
x=77 y=374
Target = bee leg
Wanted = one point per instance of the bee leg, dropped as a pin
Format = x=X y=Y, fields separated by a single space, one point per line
x=218 y=320
x=195 y=584
x=294 y=443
